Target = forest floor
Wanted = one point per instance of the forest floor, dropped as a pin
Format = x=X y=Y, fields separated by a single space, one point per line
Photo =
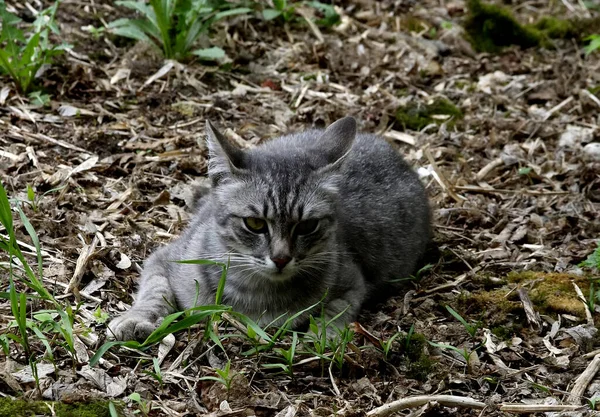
x=515 y=194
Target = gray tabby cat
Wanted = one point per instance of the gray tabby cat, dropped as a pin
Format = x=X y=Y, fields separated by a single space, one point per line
x=298 y=217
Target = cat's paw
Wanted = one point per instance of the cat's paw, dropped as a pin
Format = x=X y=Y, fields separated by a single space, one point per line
x=130 y=326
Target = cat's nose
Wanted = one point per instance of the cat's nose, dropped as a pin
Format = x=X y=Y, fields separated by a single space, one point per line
x=281 y=262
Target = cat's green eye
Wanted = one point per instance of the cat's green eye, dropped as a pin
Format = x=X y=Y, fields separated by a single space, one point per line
x=306 y=227
x=256 y=225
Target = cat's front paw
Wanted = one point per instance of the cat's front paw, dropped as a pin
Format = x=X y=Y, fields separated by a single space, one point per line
x=131 y=326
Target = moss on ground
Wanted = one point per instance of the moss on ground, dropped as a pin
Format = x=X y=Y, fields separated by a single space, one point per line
x=554 y=292
x=550 y=293
x=490 y=28
x=417 y=362
x=417 y=116
x=22 y=408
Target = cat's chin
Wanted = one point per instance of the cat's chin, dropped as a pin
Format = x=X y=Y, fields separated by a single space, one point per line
x=278 y=276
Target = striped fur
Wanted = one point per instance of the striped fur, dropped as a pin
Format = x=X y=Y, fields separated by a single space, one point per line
x=373 y=227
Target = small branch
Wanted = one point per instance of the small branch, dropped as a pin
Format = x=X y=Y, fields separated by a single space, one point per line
x=538 y=408
x=584 y=380
x=532 y=316
x=588 y=313
x=413 y=402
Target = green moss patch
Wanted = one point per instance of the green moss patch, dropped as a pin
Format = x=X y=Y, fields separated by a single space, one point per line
x=417 y=116
x=491 y=27
x=22 y=408
x=419 y=364
x=554 y=292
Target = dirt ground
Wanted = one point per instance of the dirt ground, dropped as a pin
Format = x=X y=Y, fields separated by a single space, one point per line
x=515 y=193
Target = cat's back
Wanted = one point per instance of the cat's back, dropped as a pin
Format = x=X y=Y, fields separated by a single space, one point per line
x=384 y=210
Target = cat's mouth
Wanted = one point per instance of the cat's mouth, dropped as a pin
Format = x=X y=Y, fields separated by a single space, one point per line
x=278 y=273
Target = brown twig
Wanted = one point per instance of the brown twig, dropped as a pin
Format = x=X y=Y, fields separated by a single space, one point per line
x=417 y=401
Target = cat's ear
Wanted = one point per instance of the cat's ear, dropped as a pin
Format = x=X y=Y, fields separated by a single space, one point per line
x=337 y=141
x=225 y=158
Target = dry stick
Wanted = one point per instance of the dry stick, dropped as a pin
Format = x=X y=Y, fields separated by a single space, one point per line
x=314 y=28
x=591 y=97
x=41 y=137
x=452 y=284
x=532 y=316
x=486 y=170
x=84 y=257
x=419 y=400
x=557 y=108
x=584 y=380
x=441 y=179
x=538 y=408
x=588 y=313
x=484 y=190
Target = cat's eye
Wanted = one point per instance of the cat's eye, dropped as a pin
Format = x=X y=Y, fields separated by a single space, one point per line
x=306 y=227
x=256 y=225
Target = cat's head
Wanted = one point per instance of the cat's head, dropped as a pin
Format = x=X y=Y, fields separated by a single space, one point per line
x=277 y=203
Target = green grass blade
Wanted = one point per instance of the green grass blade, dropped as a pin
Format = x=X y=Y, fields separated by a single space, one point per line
x=103 y=349
x=232 y=12
x=36 y=243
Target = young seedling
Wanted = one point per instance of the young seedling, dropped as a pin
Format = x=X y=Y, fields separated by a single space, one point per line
x=174 y=26
x=22 y=54
x=593 y=259
x=144 y=406
x=156 y=373
x=593 y=45
x=470 y=328
x=288 y=11
x=288 y=357
x=225 y=376
x=386 y=345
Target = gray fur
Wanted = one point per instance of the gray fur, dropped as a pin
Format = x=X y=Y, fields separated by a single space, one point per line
x=373 y=227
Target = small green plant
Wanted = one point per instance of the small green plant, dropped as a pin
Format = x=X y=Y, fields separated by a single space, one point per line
x=339 y=344
x=156 y=372
x=22 y=281
x=225 y=376
x=593 y=45
x=464 y=352
x=386 y=345
x=593 y=259
x=100 y=316
x=592 y=402
x=174 y=26
x=470 y=328
x=281 y=9
x=23 y=54
x=288 y=357
x=417 y=276
x=288 y=11
x=144 y=407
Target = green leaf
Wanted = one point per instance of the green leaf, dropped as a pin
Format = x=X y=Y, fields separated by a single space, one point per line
x=280 y=4
x=270 y=14
x=132 y=32
x=330 y=15
x=232 y=12
x=134 y=396
x=210 y=54
x=525 y=170
x=593 y=45
x=103 y=349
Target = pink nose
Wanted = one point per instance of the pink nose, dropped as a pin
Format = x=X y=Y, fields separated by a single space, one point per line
x=281 y=262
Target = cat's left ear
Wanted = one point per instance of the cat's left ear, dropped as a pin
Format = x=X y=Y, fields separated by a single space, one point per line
x=337 y=141
x=225 y=158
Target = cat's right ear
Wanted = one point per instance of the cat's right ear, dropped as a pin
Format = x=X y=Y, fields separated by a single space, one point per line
x=337 y=141
x=225 y=158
